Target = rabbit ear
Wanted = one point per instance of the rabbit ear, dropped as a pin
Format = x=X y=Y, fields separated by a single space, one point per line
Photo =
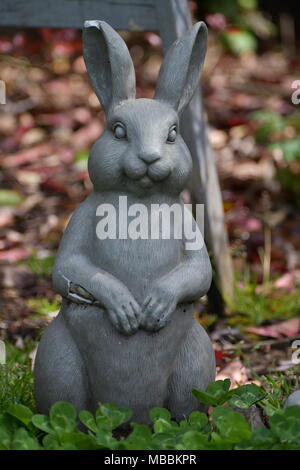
x=180 y=72
x=108 y=63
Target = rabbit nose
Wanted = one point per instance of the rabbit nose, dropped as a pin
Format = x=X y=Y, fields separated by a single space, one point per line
x=149 y=158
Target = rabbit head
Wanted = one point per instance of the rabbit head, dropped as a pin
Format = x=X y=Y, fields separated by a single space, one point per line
x=141 y=148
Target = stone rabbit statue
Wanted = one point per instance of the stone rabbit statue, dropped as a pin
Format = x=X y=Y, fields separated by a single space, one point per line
x=126 y=333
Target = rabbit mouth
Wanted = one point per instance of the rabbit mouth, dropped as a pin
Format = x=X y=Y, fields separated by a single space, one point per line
x=158 y=174
x=141 y=180
x=148 y=178
x=146 y=182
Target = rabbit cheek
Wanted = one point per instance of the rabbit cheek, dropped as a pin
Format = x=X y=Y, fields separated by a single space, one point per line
x=182 y=166
x=105 y=163
x=102 y=173
x=159 y=172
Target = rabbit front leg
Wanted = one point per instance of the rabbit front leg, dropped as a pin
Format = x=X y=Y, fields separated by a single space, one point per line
x=158 y=306
x=189 y=281
x=122 y=308
x=78 y=279
x=82 y=282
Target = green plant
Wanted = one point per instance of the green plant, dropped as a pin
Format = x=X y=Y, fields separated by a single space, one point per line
x=253 y=306
x=268 y=122
x=16 y=377
x=40 y=266
x=278 y=387
x=289 y=148
x=19 y=356
x=288 y=177
x=243 y=24
x=43 y=306
x=81 y=159
x=219 y=393
x=271 y=127
x=16 y=386
x=281 y=136
x=238 y=41
x=225 y=428
x=9 y=197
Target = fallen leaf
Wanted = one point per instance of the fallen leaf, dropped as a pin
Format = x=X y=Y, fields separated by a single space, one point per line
x=6 y=216
x=27 y=156
x=235 y=371
x=287 y=328
x=15 y=254
x=286 y=281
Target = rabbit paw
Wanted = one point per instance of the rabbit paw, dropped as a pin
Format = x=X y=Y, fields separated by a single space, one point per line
x=157 y=308
x=124 y=318
x=124 y=312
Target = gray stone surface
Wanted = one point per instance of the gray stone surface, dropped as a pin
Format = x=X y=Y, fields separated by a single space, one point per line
x=126 y=332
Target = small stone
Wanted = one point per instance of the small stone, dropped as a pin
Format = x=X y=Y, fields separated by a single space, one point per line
x=293 y=399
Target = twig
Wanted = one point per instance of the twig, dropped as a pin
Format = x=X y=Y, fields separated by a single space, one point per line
x=271 y=343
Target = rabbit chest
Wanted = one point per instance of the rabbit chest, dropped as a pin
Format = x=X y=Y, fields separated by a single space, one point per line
x=135 y=248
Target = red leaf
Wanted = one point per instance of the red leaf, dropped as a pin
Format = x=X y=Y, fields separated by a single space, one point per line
x=27 y=156
x=15 y=254
x=54 y=186
x=287 y=328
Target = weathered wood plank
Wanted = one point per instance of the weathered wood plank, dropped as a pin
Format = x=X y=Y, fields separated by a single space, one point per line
x=120 y=14
x=174 y=19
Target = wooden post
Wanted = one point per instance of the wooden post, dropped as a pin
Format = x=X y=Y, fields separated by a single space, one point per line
x=174 y=19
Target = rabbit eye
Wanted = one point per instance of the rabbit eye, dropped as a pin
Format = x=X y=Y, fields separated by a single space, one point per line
x=119 y=131
x=172 y=134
